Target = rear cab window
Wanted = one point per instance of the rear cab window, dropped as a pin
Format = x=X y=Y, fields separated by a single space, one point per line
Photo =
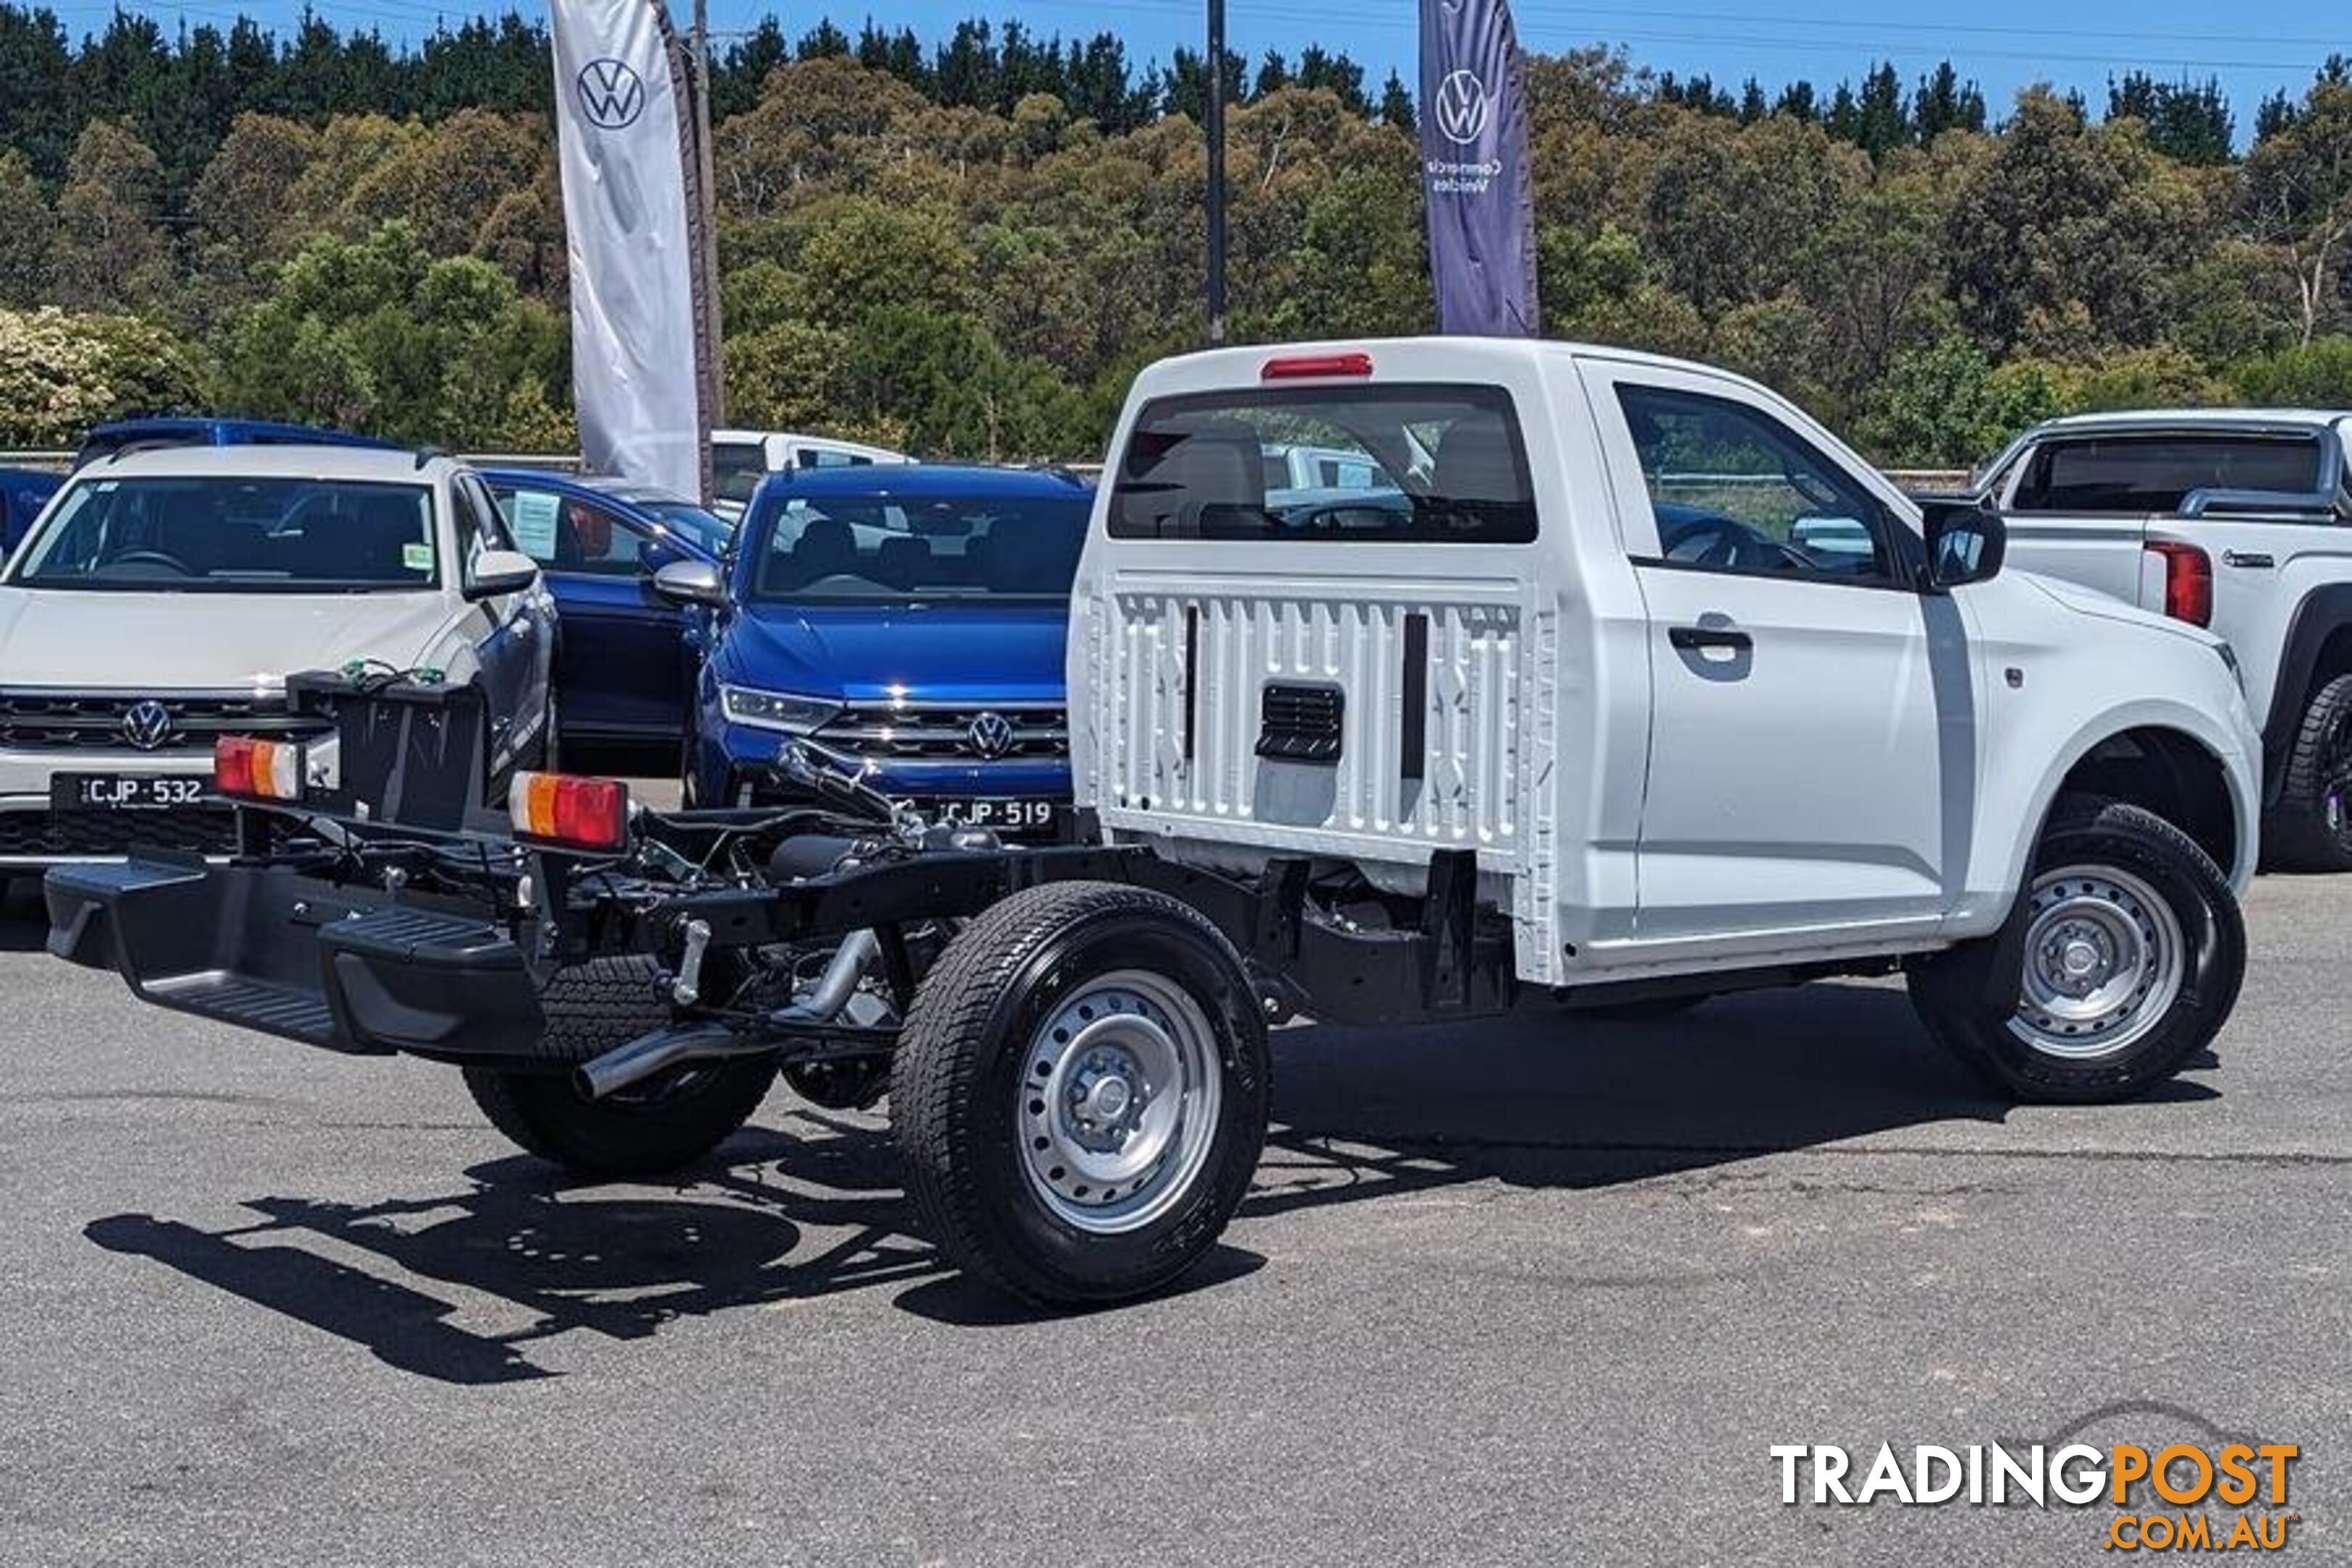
x=2154 y=475
x=1401 y=463
x=736 y=468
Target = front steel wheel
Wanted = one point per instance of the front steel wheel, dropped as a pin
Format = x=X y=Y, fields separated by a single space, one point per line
x=2104 y=961
x=2129 y=949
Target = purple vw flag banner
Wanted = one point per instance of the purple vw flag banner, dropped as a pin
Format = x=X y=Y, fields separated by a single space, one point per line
x=631 y=220
x=1475 y=171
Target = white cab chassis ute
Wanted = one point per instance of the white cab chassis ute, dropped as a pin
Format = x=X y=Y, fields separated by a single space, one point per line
x=1607 y=683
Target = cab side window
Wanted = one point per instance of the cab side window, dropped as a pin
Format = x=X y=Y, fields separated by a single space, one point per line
x=1735 y=491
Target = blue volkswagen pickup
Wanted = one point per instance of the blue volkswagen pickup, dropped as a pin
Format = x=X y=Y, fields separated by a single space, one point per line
x=909 y=617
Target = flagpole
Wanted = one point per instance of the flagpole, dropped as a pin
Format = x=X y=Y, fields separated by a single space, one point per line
x=1217 y=130
x=709 y=196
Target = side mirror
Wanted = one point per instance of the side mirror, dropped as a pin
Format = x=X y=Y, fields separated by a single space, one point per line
x=497 y=572
x=1967 y=542
x=691 y=582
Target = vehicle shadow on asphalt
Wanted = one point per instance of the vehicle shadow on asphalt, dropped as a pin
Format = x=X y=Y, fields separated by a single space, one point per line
x=812 y=1207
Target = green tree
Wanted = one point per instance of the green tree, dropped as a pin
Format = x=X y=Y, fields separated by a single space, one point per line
x=2316 y=374
x=111 y=248
x=2067 y=239
x=25 y=234
x=378 y=334
x=2297 y=198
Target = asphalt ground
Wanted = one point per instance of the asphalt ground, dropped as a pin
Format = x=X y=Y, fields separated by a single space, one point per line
x=1541 y=1291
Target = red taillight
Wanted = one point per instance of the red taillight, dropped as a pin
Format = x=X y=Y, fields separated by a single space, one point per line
x=1314 y=367
x=262 y=770
x=579 y=812
x=2188 y=582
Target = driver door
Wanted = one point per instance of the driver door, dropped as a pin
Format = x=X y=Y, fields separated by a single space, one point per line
x=1811 y=719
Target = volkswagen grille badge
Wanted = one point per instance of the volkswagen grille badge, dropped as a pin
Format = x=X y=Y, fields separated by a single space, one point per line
x=991 y=735
x=147 y=724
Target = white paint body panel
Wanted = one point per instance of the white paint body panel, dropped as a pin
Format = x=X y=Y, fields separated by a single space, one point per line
x=1870 y=783
x=2264 y=568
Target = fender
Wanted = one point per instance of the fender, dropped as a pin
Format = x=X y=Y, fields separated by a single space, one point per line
x=2323 y=612
x=1989 y=904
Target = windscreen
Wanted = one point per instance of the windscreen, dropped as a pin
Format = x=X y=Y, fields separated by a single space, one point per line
x=2153 y=475
x=926 y=547
x=691 y=523
x=223 y=533
x=1413 y=464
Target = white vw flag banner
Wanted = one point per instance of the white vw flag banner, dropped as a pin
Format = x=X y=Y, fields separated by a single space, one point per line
x=632 y=218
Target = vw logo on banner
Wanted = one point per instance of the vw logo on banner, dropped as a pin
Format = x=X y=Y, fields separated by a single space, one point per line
x=1460 y=108
x=612 y=95
x=147 y=725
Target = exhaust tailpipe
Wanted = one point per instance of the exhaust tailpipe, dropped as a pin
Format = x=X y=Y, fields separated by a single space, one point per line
x=626 y=1066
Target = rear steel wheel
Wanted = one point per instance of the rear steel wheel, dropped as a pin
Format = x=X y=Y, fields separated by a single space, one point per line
x=1124 y=1102
x=1081 y=1091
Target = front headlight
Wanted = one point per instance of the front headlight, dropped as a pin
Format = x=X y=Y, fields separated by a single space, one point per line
x=775 y=710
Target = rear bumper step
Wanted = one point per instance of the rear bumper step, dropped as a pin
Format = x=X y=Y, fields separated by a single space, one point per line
x=263 y=949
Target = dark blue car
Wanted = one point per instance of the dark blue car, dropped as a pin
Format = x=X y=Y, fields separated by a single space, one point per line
x=23 y=493
x=176 y=430
x=913 y=617
x=623 y=667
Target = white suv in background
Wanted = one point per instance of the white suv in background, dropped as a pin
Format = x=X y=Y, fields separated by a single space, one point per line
x=165 y=596
x=741 y=458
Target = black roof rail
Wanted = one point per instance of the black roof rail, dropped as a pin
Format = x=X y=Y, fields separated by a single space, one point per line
x=427 y=454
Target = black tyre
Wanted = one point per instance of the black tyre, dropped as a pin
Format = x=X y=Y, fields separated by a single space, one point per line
x=2310 y=829
x=660 y=1126
x=1081 y=1092
x=2132 y=955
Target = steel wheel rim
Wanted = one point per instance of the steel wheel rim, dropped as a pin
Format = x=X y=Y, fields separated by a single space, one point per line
x=1119 y=1103
x=2104 y=959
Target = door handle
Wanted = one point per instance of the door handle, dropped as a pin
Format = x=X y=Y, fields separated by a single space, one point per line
x=1700 y=639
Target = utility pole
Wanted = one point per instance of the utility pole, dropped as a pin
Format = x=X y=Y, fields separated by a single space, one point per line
x=1216 y=128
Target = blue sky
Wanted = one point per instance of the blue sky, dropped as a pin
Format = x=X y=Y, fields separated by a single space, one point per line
x=2003 y=44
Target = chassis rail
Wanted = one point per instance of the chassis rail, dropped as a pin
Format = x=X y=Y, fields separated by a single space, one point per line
x=438 y=945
